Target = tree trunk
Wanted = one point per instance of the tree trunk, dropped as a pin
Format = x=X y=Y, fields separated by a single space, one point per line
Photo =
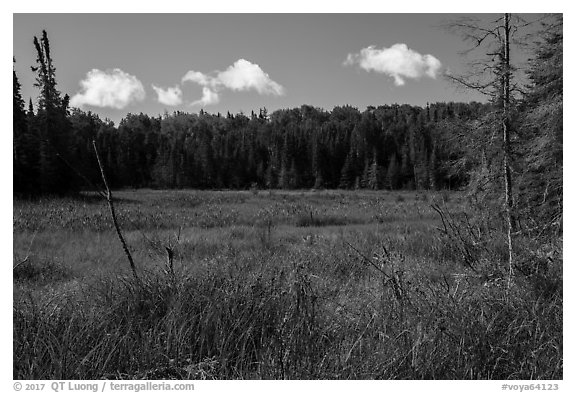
x=506 y=142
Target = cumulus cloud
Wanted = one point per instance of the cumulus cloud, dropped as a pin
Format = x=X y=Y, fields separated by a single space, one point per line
x=209 y=97
x=398 y=62
x=114 y=89
x=243 y=75
x=240 y=76
x=197 y=77
x=171 y=96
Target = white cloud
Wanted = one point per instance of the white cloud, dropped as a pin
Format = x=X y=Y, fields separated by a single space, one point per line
x=209 y=97
x=171 y=96
x=243 y=75
x=115 y=89
x=196 y=77
x=240 y=76
x=398 y=62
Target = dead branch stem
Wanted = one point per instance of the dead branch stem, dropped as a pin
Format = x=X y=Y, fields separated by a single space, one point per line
x=113 y=214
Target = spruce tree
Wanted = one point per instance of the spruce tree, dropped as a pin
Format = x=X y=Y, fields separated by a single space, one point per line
x=347 y=175
x=55 y=175
x=374 y=175
x=542 y=180
x=21 y=162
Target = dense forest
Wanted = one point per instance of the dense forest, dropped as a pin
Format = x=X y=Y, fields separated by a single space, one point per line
x=387 y=147
x=440 y=146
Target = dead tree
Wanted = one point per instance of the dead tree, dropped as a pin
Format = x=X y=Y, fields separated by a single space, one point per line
x=492 y=74
x=110 y=201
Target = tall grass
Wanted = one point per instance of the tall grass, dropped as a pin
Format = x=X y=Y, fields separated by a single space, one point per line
x=357 y=303
x=258 y=321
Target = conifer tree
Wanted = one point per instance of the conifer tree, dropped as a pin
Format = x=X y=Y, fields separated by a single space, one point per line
x=374 y=175
x=21 y=161
x=542 y=180
x=52 y=124
x=347 y=176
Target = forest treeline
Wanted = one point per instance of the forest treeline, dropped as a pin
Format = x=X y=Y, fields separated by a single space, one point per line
x=440 y=146
x=389 y=147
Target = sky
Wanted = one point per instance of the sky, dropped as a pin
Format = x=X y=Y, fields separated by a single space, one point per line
x=113 y=64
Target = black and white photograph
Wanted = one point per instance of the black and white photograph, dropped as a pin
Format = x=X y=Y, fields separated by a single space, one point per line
x=287 y=196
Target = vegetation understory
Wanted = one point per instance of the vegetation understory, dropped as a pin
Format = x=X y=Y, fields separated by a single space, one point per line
x=280 y=285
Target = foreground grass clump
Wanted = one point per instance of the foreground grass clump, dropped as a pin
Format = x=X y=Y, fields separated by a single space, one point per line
x=257 y=321
x=41 y=272
x=374 y=293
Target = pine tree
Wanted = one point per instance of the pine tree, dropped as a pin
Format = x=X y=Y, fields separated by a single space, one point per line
x=374 y=175
x=52 y=123
x=21 y=161
x=542 y=180
x=348 y=175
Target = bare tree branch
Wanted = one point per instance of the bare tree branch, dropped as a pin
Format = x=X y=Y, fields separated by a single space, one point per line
x=113 y=214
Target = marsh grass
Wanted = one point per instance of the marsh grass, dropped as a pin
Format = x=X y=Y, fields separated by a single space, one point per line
x=41 y=272
x=312 y=220
x=266 y=298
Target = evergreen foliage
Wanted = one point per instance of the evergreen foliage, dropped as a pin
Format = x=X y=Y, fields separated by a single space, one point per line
x=541 y=186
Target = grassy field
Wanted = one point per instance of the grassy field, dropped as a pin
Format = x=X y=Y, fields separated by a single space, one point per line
x=275 y=285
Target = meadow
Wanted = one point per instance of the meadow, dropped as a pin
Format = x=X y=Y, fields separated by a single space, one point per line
x=278 y=285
